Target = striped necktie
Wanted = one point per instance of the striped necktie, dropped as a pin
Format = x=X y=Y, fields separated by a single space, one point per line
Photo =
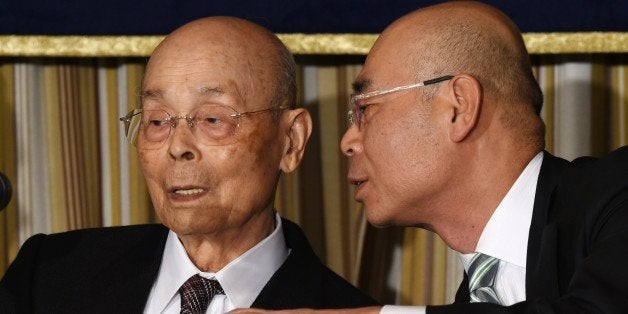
x=196 y=294
x=482 y=273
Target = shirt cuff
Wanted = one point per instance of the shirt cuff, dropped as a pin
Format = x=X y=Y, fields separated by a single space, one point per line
x=396 y=309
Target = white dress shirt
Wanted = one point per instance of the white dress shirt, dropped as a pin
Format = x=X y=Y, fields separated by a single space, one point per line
x=505 y=236
x=242 y=279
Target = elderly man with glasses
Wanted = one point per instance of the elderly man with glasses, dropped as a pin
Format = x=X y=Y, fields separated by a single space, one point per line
x=216 y=129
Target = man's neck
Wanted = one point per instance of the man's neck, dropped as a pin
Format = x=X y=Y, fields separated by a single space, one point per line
x=474 y=201
x=210 y=252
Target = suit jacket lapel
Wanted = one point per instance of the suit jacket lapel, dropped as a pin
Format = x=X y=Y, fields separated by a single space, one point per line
x=541 y=277
x=126 y=282
x=463 y=295
x=541 y=237
x=288 y=286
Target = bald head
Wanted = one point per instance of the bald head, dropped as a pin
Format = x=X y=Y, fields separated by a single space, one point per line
x=473 y=38
x=265 y=66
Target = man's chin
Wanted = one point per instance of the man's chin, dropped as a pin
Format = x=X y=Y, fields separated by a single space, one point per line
x=190 y=226
x=377 y=218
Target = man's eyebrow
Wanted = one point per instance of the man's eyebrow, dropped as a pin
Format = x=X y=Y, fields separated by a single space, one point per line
x=211 y=91
x=203 y=91
x=360 y=85
x=151 y=93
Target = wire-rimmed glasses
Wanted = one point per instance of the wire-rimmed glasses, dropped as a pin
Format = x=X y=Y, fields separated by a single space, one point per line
x=359 y=102
x=210 y=124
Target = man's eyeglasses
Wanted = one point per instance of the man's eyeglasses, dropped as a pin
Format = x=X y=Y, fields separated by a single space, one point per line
x=359 y=102
x=211 y=124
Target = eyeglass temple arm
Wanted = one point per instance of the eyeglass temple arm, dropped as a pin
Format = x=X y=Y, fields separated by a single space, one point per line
x=437 y=80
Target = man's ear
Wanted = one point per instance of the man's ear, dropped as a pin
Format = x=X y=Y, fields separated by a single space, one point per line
x=465 y=106
x=297 y=133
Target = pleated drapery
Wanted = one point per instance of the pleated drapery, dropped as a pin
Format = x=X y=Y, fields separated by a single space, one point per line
x=63 y=148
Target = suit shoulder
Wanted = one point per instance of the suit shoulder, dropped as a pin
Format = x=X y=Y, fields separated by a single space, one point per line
x=74 y=264
x=608 y=172
x=90 y=242
x=109 y=231
x=616 y=160
x=595 y=190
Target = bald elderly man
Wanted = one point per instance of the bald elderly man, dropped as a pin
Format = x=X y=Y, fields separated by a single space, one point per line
x=446 y=136
x=216 y=129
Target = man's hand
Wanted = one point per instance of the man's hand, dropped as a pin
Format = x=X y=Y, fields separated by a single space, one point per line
x=364 y=310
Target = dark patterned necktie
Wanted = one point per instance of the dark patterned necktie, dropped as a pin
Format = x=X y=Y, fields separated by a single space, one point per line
x=482 y=273
x=196 y=294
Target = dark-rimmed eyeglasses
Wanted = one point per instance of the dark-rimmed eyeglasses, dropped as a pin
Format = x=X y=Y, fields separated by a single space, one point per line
x=359 y=102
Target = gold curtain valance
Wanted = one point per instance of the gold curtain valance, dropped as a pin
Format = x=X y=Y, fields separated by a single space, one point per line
x=303 y=44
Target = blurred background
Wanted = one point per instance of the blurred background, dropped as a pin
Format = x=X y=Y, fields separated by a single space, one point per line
x=69 y=70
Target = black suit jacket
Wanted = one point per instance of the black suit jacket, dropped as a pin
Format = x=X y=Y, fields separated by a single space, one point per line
x=578 y=243
x=112 y=270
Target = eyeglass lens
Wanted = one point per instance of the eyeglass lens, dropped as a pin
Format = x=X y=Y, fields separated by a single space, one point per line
x=213 y=125
x=359 y=102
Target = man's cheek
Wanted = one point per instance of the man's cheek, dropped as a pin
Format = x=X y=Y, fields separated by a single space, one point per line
x=147 y=162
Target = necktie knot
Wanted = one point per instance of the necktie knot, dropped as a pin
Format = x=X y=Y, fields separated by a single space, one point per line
x=482 y=272
x=196 y=294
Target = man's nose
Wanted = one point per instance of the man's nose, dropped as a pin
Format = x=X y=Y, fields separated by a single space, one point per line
x=351 y=142
x=182 y=143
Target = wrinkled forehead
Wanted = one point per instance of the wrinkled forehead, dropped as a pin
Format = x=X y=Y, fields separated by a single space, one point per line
x=203 y=71
x=187 y=67
x=176 y=56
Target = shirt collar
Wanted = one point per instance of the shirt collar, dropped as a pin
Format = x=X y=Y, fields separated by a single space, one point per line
x=242 y=279
x=505 y=236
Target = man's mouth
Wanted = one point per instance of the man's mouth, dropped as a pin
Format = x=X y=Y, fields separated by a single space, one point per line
x=188 y=191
